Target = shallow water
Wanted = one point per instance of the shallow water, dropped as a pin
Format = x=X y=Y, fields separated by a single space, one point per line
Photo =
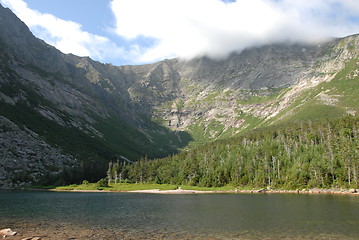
x=66 y=215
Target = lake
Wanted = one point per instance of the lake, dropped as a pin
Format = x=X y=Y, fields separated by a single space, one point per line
x=69 y=215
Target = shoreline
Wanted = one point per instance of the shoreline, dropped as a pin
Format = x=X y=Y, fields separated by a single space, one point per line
x=184 y=191
x=262 y=191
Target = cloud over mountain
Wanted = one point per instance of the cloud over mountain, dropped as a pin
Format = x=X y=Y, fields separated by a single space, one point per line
x=215 y=28
x=145 y=31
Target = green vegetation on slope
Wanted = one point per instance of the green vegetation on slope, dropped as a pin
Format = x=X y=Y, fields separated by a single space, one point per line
x=313 y=154
x=332 y=99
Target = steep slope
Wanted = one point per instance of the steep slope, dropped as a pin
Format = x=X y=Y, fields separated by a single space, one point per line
x=213 y=99
x=333 y=89
x=78 y=106
x=25 y=156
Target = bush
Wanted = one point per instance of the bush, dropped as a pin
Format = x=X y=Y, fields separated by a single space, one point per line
x=102 y=183
x=85 y=182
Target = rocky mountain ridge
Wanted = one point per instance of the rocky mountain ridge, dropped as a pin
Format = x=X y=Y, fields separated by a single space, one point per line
x=253 y=94
x=89 y=113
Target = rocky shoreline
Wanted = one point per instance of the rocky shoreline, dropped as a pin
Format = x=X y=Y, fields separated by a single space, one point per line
x=7 y=232
x=61 y=231
x=64 y=231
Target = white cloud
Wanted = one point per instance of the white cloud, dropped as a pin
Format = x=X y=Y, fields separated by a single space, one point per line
x=158 y=29
x=66 y=36
x=188 y=28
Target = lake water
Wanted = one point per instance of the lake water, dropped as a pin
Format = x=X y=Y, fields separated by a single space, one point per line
x=65 y=215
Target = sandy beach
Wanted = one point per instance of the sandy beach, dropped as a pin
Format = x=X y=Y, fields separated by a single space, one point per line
x=183 y=191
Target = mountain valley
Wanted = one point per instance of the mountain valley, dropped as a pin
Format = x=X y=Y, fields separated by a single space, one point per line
x=63 y=118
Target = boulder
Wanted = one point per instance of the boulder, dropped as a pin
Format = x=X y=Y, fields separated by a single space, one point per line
x=7 y=232
x=353 y=190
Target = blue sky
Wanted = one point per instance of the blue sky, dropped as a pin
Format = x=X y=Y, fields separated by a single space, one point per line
x=143 y=31
x=97 y=19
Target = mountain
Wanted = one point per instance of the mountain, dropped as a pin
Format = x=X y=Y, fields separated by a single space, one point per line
x=214 y=99
x=80 y=107
x=63 y=117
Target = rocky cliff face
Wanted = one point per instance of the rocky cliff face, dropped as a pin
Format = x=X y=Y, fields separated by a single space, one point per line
x=25 y=156
x=77 y=112
x=219 y=98
x=80 y=107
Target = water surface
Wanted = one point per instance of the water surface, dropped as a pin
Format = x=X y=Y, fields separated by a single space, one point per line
x=201 y=216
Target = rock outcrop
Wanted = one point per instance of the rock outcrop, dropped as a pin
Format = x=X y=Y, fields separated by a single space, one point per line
x=25 y=157
x=7 y=232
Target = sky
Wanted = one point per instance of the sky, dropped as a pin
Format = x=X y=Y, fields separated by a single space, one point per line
x=123 y=32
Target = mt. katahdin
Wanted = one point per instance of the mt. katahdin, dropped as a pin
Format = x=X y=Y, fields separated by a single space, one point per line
x=63 y=117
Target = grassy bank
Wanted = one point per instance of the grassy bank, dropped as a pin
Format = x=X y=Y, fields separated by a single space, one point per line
x=119 y=187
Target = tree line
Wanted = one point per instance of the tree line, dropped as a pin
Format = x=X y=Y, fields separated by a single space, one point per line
x=321 y=154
